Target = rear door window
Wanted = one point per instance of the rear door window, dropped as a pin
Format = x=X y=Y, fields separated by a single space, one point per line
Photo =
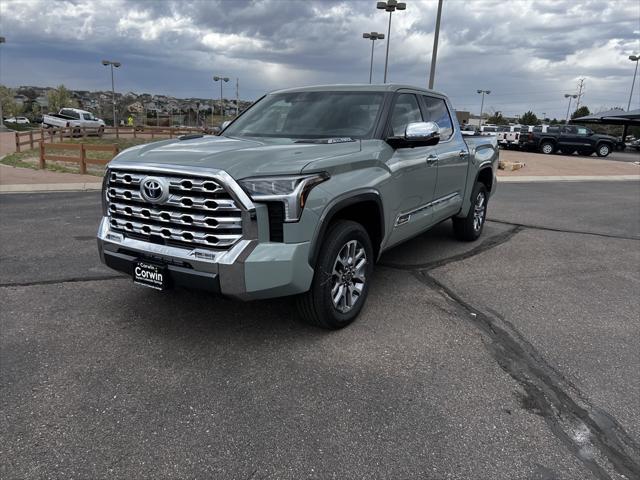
x=437 y=111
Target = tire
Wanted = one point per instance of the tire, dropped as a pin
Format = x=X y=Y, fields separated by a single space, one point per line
x=469 y=228
x=100 y=132
x=547 y=148
x=603 y=149
x=317 y=306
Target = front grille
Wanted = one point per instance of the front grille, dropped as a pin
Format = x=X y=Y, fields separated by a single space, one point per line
x=198 y=211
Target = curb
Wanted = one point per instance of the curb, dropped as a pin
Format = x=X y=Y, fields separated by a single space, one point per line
x=50 y=187
x=570 y=178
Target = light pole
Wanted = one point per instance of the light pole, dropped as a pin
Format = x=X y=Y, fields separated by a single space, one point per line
x=2 y=40
x=569 y=96
x=483 y=92
x=434 y=55
x=220 y=79
x=389 y=6
x=109 y=63
x=373 y=36
x=633 y=58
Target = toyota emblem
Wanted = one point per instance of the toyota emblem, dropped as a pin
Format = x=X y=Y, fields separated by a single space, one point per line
x=154 y=190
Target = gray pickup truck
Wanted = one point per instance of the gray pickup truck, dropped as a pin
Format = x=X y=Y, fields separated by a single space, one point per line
x=299 y=195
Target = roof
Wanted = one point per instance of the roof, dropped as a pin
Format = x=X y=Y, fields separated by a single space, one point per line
x=612 y=117
x=357 y=87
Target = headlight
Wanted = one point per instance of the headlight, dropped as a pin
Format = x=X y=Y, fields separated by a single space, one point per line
x=291 y=190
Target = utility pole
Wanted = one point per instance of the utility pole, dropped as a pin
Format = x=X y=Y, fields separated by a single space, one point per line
x=580 y=88
x=434 y=55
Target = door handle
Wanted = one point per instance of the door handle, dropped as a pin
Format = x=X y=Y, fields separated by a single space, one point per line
x=432 y=160
x=462 y=153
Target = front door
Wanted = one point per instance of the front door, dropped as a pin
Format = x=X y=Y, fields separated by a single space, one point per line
x=414 y=171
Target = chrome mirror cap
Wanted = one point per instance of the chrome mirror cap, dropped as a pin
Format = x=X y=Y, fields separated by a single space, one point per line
x=422 y=131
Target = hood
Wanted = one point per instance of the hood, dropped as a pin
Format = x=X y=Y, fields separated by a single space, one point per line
x=239 y=157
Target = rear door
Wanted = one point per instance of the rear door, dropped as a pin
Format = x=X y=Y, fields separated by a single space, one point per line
x=414 y=171
x=453 y=159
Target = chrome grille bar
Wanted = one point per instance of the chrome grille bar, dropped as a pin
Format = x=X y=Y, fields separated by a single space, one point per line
x=199 y=211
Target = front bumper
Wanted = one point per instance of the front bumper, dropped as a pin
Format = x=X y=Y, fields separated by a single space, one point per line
x=249 y=270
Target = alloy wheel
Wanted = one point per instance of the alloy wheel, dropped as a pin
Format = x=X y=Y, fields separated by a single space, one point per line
x=348 y=276
x=479 y=211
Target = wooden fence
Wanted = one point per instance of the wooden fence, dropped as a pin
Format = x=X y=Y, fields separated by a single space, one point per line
x=80 y=158
x=33 y=137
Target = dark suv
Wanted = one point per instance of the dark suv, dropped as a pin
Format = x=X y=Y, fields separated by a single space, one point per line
x=567 y=139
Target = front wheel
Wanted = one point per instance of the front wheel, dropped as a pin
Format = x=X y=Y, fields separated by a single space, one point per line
x=341 y=279
x=469 y=228
x=603 y=150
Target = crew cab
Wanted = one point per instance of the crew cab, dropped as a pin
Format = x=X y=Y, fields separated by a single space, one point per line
x=298 y=196
x=568 y=139
x=74 y=118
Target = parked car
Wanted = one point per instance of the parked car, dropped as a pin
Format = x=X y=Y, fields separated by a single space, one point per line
x=488 y=130
x=568 y=139
x=287 y=203
x=635 y=145
x=75 y=118
x=508 y=136
x=17 y=120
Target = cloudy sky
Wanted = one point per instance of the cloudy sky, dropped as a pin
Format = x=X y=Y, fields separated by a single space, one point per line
x=528 y=53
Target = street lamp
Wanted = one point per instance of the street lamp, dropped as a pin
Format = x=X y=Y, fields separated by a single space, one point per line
x=389 y=6
x=373 y=36
x=569 y=96
x=2 y=40
x=220 y=79
x=483 y=92
x=109 y=63
x=633 y=58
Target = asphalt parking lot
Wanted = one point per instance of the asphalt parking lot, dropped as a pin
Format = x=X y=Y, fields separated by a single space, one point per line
x=514 y=357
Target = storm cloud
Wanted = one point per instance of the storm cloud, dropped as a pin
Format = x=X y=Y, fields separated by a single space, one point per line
x=528 y=53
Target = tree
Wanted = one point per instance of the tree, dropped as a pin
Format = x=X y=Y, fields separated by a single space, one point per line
x=583 y=111
x=497 y=119
x=529 y=118
x=9 y=106
x=60 y=98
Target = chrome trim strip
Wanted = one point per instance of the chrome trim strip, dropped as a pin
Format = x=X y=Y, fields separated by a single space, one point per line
x=205 y=255
x=405 y=217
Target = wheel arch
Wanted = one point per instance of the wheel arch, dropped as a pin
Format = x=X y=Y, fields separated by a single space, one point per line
x=364 y=207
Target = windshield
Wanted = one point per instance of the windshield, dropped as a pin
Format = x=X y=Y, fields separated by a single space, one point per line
x=311 y=115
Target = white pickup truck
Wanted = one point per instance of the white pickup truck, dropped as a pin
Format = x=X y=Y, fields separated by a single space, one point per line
x=75 y=118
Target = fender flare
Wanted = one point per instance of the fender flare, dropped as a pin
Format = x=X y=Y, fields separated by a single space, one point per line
x=337 y=204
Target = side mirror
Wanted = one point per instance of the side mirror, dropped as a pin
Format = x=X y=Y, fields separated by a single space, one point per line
x=422 y=132
x=225 y=124
x=418 y=134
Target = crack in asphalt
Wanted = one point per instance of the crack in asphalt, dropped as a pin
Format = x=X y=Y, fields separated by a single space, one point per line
x=96 y=278
x=561 y=230
x=593 y=435
x=589 y=432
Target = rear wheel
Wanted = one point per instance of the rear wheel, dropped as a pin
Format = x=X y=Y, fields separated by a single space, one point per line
x=469 y=228
x=341 y=279
x=547 y=148
x=603 y=150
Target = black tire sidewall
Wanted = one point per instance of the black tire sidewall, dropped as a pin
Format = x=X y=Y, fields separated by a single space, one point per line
x=339 y=234
x=601 y=146
x=542 y=145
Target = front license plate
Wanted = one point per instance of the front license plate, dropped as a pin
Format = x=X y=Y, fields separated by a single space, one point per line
x=150 y=275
